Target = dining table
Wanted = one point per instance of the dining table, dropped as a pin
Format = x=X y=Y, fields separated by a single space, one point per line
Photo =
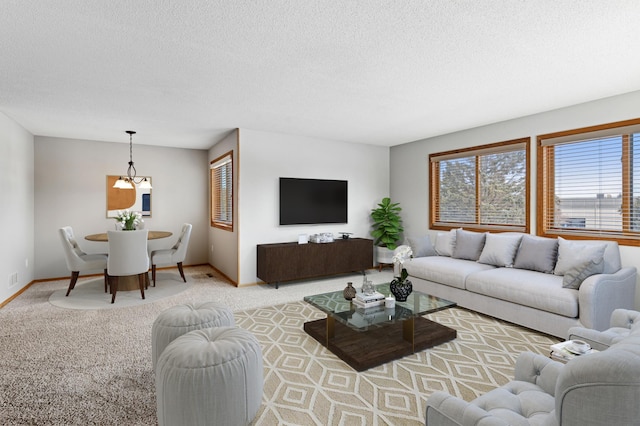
x=127 y=283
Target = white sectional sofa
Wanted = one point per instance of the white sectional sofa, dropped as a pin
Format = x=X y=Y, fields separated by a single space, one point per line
x=545 y=284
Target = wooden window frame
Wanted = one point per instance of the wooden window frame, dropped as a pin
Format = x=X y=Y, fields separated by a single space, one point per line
x=546 y=181
x=215 y=194
x=477 y=151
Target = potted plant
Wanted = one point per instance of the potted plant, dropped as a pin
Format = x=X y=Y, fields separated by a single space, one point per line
x=387 y=227
x=401 y=287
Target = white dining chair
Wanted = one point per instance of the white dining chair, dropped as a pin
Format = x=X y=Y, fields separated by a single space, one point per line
x=77 y=260
x=127 y=256
x=175 y=254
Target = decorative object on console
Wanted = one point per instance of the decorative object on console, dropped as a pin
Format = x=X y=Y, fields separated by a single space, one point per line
x=400 y=286
x=324 y=237
x=345 y=235
x=349 y=291
x=129 y=181
x=129 y=220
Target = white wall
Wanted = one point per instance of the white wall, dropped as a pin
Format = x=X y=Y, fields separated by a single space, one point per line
x=223 y=244
x=16 y=206
x=264 y=157
x=409 y=162
x=70 y=189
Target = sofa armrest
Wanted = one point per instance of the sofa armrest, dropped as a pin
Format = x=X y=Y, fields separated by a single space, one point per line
x=446 y=410
x=538 y=370
x=601 y=294
x=624 y=318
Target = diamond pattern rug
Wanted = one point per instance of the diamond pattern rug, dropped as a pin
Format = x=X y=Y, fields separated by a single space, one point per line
x=305 y=384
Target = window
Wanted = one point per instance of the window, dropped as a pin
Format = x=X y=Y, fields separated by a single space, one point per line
x=222 y=192
x=482 y=188
x=589 y=182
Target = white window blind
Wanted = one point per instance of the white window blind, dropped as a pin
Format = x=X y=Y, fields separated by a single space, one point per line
x=590 y=182
x=222 y=191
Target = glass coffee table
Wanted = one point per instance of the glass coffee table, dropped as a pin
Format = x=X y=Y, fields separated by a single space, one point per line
x=366 y=338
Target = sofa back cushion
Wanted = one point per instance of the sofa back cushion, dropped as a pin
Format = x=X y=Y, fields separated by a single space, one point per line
x=445 y=242
x=537 y=254
x=421 y=246
x=572 y=253
x=468 y=244
x=500 y=249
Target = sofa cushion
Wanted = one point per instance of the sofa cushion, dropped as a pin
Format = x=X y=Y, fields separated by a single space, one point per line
x=421 y=246
x=574 y=277
x=444 y=270
x=537 y=254
x=573 y=253
x=445 y=241
x=500 y=249
x=468 y=244
x=527 y=288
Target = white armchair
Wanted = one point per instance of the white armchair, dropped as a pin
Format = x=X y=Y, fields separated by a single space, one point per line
x=621 y=324
x=127 y=256
x=175 y=254
x=77 y=260
x=602 y=388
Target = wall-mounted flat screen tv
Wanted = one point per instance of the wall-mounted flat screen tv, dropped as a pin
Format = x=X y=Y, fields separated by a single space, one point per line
x=310 y=201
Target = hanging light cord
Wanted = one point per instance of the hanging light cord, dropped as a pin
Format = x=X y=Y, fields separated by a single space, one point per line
x=131 y=166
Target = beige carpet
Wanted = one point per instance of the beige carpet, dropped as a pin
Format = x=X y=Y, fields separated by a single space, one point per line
x=67 y=366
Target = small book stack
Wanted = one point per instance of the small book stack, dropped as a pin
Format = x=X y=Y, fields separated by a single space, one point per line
x=566 y=351
x=368 y=300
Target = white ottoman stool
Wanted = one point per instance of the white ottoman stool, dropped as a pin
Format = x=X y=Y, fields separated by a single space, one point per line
x=181 y=319
x=210 y=377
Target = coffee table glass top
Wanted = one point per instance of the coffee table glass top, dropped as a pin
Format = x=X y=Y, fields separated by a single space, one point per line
x=417 y=304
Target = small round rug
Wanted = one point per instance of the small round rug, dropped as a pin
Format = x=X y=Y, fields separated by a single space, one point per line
x=90 y=294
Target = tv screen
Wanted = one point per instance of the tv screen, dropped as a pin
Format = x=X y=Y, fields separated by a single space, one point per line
x=309 y=201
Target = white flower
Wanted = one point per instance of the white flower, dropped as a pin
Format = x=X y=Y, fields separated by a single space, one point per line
x=402 y=253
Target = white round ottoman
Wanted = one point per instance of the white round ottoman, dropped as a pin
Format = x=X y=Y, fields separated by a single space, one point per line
x=181 y=319
x=210 y=377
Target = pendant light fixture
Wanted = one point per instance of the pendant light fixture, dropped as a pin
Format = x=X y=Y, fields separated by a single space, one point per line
x=128 y=181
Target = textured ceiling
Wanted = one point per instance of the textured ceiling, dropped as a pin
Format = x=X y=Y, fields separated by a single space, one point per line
x=185 y=72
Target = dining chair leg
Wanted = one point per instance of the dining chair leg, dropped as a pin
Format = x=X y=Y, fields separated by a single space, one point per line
x=181 y=271
x=114 y=287
x=153 y=274
x=141 y=281
x=106 y=279
x=72 y=283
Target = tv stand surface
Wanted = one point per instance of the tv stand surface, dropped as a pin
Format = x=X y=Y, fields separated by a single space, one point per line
x=280 y=262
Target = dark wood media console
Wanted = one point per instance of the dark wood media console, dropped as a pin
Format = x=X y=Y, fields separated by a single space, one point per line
x=292 y=261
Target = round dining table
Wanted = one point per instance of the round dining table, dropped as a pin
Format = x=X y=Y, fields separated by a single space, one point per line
x=153 y=235
x=128 y=283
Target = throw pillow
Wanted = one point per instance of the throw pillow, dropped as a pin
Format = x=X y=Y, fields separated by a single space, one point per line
x=537 y=254
x=421 y=246
x=445 y=243
x=574 y=277
x=573 y=253
x=468 y=244
x=500 y=249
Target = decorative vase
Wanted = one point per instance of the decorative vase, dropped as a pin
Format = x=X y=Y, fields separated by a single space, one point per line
x=401 y=289
x=349 y=291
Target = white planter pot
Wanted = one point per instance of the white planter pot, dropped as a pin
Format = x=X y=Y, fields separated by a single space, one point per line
x=383 y=256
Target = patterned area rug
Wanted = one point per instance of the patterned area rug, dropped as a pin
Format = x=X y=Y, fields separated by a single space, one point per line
x=305 y=384
x=80 y=367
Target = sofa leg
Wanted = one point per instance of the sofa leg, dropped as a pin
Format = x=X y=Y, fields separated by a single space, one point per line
x=181 y=271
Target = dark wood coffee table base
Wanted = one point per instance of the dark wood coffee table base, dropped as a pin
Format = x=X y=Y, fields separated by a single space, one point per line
x=367 y=349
